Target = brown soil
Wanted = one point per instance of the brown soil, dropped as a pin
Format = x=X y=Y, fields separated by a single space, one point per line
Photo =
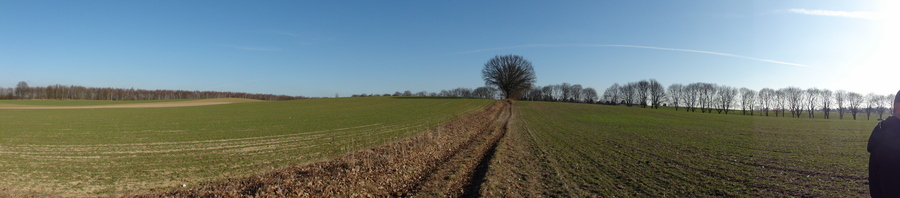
x=449 y=161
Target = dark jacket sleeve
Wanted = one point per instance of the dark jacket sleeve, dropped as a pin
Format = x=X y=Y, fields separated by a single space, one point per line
x=875 y=139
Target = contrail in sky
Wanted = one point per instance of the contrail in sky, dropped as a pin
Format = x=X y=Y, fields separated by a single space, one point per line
x=638 y=46
x=838 y=13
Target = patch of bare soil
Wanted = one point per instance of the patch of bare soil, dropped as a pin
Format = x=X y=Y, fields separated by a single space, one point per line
x=449 y=161
x=203 y=102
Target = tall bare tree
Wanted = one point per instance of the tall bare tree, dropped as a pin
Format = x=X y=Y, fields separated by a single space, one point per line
x=781 y=101
x=512 y=74
x=611 y=95
x=884 y=103
x=22 y=90
x=855 y=100
x=643 y=91
x=725 y=98
x=693 y=99
x=825 y=96
x=575 y=93
x=629 y=93
x=589 y=95
x=872 y=101
x=657 y=93
x=841 y=99
x=676 y=94
x=812 y=101
x=707 y=97
x=889 y=103
x=794 y=98
x=767 y=99
x=748 y=99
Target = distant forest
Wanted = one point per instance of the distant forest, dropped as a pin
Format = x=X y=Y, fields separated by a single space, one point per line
x=564 y=92
x=72 y=92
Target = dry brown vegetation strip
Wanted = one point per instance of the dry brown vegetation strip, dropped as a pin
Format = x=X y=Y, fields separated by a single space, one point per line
x=436 y=163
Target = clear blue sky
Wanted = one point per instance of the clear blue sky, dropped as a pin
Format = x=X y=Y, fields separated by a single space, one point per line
x=319 y=48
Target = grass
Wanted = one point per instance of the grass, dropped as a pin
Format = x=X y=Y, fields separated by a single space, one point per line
x=78 y=152
x=579 y=150
x=10 y=103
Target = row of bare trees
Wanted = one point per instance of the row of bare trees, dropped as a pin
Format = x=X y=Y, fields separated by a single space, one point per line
x=564 y=92
x=644 y=93
x=480 y=92
x=709 y=97
x=71 y=92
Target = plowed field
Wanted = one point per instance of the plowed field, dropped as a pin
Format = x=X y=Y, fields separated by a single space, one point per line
x=581 y=150
x=116 y=151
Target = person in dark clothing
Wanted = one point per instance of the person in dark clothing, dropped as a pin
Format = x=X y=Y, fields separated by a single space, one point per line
x=884 y=155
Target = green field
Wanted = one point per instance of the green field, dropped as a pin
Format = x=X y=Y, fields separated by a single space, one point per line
x=12 y=103
x=78 y=152
x=577 y=150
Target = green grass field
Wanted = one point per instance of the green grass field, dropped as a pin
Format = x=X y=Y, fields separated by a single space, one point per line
x=78 y=152
x=583 y=150
x=11 y=103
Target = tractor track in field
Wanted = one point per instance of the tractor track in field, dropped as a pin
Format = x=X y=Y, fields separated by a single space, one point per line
x=450 y=160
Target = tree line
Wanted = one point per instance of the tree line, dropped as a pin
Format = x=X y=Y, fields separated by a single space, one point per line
x=564 y=92
x=709 y=97
x=480 y=92
x=72 y=92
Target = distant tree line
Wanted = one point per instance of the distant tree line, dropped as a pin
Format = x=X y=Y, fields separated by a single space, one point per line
x=709 y=97
x=480 y=92
x=564 y=92
x=72 y=92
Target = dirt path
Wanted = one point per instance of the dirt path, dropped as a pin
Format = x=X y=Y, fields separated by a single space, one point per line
x=189 y=103
x=449 y=161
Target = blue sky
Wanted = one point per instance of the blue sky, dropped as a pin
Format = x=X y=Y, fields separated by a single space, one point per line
x=322 y=48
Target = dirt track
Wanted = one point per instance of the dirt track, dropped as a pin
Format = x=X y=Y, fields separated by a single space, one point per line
x=449 y=161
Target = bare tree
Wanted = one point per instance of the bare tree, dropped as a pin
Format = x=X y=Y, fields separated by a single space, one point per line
x=575 y=93
x=657 y=93
x=889 y=103
x=707 y=97
x=748 y=99
x=693 y=99
x=512 y=74
x=725 y=98
x=826 y=98
x=630 y=94
x=676 y=94
x=485 y=92
x=781 y=101
x=794 y=98
x=565 y=91
x=884 y=103
x=22 y=90
x=812 y=100
x=611 y=95
x=855 y=100
x=643 y=90
x=589 y=95
x=767 y=99
x=871 y=101
x=547 y=92
x=841 y=98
